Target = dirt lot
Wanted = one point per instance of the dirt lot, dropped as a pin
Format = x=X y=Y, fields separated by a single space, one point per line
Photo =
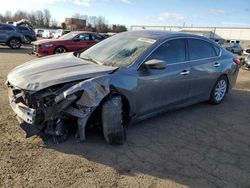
x=199 y=146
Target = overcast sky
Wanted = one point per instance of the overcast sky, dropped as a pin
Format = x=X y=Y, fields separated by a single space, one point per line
x=154 y=12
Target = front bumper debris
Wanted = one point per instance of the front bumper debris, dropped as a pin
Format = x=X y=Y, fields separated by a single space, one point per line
x=24 y=112
x=47 y=111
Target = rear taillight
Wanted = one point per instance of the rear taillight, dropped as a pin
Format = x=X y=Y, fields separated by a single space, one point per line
x=236 y=61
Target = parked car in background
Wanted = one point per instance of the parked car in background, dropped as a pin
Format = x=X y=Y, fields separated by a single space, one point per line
x=28 y=33
x=125 y=78
x=39 y=32
x=11 y=36
x=245 y=62
x=233 y=47
x=73 y=41
x=60 y=32
x=246 y=50
x=47 y=34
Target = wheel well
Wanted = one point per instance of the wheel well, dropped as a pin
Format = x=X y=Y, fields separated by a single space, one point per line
x=13 y=38
x=96 y=116
x=225 y=75
x=125 y=105
x=27 y=36
x=59 y=47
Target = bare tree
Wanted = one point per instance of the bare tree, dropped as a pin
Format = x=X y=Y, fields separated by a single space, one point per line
x=1 y=18
x=47 y=17
x=44 y=19
x=18 y=15
x=54 y=23
x=40 y=18
x=8 y=16
x=32 y=18
x=118 y=28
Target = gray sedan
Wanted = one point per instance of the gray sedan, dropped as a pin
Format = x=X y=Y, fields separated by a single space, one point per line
x=125 y=78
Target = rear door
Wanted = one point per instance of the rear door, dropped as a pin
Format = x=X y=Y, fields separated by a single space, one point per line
x=5 y=33
x=205 y=67
x=158 y=89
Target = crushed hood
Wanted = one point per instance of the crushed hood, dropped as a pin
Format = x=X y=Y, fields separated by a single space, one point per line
x=41 y=73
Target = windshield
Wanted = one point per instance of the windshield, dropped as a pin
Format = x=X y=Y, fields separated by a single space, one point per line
x=120 y=50
x=68 y=36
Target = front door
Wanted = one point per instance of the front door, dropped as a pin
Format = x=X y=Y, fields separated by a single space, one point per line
x=158 y=89
x=81 y=42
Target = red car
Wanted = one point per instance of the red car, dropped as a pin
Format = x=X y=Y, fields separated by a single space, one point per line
x=71 y=42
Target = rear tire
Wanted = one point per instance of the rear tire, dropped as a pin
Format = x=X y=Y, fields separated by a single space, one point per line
x=113 y=130
x=219 y=90
x=14 y=43
x=28 y=40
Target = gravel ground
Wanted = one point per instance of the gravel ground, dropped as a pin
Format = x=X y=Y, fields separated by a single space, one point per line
x=198 y=146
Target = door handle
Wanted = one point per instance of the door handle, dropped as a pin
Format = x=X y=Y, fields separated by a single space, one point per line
x=216 y=64
x=185 y=72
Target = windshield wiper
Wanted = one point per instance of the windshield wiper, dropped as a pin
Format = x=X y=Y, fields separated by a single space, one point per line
x=91 y=59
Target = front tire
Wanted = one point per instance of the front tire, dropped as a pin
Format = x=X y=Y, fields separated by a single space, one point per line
x=219 y=90
x=14 y=43
x=112 y=124
x=60 y=50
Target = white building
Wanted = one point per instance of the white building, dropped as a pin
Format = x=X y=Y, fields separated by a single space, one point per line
x=216 y=33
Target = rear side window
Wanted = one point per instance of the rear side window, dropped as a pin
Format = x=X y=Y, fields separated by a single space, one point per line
x=23 y=28
x=96 y=37
x=199 y=49
x=217 y=50
x=83 y=37
x=172 y=52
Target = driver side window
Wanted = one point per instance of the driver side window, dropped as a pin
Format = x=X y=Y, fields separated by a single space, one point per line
x=171 y=52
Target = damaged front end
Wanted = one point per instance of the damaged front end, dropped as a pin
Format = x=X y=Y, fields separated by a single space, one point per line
x=44 y=112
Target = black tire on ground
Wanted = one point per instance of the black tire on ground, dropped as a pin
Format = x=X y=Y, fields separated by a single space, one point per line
x=219 y=90
x=60 y=50
x=28 y=40
x=14 y=43
x=112 y=124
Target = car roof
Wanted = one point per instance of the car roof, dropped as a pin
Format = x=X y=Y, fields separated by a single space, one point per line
x=78 y=32
x=162 y=35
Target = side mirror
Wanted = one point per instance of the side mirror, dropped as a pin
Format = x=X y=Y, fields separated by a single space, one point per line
x=155 y=64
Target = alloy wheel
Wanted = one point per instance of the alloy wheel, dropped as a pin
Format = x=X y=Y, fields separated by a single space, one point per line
x=60 y=50
x=15 y=43
x=220 y=90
